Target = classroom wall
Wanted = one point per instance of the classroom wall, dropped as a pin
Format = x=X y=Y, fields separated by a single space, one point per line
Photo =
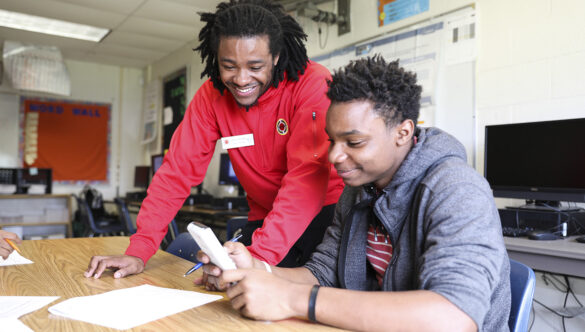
x=531 y=68
x=121 y=87
x=364 y=23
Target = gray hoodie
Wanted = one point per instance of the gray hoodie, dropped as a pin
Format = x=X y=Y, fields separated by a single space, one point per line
x=444 y=227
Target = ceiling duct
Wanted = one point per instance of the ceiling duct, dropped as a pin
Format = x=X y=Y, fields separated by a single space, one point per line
x=309 y=9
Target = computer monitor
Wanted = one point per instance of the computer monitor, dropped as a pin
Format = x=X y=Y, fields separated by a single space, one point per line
x=540 y=161
x=141 y=176
x=155 y=162
x=36 y=176
x=227 y=176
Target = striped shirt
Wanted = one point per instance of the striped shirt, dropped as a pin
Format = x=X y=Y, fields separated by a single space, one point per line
x=378 y=251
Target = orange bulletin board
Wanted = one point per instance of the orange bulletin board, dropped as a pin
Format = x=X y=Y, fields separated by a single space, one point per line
x=70 y=137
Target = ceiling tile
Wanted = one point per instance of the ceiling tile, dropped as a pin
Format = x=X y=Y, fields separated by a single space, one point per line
x=201 y=5
x=170 y=12
x=127 y=51
x=149 y=27
x=108 y=59
x=142 y=41
x=116 y=6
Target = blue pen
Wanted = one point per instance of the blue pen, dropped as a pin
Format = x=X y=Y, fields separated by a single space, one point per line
x=198 y=265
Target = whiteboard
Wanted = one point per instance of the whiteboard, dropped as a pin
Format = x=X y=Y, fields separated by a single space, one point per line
x=442 y=52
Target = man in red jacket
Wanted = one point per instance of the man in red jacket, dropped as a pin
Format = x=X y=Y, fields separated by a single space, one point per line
x=271 y=120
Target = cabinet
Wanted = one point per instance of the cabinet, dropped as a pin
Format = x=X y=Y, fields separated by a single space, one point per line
x=36 y=214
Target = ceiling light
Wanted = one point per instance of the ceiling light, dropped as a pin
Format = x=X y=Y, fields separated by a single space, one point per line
x=51 y=26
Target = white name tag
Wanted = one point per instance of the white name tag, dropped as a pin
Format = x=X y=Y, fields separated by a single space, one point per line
x=239 y=141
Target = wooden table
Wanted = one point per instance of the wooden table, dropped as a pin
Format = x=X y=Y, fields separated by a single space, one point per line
x=58 y=271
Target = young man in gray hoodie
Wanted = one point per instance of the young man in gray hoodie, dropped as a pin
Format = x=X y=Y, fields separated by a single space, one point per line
x=416 y=239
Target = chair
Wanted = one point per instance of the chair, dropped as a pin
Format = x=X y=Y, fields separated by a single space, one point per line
x=102 y=226
x=172 y=233
x=234 y=226
x=184 y=246
x=522 y=282
x=124 y=216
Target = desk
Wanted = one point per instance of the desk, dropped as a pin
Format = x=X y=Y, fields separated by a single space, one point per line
x=216 y=219
x=58 y=271
x=565 y=256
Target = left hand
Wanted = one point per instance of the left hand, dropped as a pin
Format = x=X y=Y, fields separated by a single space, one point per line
x=260 y=295
x=211 y=273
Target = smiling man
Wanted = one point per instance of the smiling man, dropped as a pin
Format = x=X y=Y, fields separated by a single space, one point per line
x=263 y=90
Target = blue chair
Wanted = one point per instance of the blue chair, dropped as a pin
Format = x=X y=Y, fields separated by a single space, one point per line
x=184 y=246
x=102 y=226
x=124 y=216
x=522 y=282
x=234 y=226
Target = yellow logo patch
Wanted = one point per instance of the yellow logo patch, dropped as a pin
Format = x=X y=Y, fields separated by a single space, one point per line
x=281 y=127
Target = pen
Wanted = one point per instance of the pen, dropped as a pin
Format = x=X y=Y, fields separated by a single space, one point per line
x=13 y=245
x=198 y=265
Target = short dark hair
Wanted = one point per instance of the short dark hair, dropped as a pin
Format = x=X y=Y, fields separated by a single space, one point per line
x=247 y=18
x=392 y=90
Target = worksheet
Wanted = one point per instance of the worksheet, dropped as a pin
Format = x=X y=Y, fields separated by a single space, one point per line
x=12 y=307
x=129 y=307
x=14 y=259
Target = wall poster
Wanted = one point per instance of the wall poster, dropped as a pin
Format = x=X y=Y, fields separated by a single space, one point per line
x=70 y=137
x=390 y=11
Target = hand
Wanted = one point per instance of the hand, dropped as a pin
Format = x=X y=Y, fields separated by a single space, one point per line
x=5 y=248
x=211 y=273
x=125 y=265
x=263 y=296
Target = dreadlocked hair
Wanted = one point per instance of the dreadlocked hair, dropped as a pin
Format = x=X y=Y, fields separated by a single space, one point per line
x=248 y=18
x=391 y=89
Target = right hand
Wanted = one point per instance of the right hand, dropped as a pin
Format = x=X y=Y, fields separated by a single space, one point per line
x=211 y=273
x=5 y=248
x=124 y=265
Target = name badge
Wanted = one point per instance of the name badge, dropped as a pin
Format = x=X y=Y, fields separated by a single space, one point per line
x=239 y=141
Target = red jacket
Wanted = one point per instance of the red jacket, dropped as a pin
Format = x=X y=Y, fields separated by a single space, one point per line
x=286 y=175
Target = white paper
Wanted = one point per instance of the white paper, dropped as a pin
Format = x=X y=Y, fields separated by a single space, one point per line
x=167 y=115
x=13 y=325
x=151 y=106
x=14 y=259
x=16 y=306
x=127 y=308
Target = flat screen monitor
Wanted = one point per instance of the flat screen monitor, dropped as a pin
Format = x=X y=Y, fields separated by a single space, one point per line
x=141 y=176
x=156 y=162
x=539 y=161
x=227 y=176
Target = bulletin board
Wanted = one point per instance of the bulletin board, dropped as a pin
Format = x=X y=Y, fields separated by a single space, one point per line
x=174 y=104
x=70 y=137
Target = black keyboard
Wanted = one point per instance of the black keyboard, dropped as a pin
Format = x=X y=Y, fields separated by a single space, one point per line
x=516 y=231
